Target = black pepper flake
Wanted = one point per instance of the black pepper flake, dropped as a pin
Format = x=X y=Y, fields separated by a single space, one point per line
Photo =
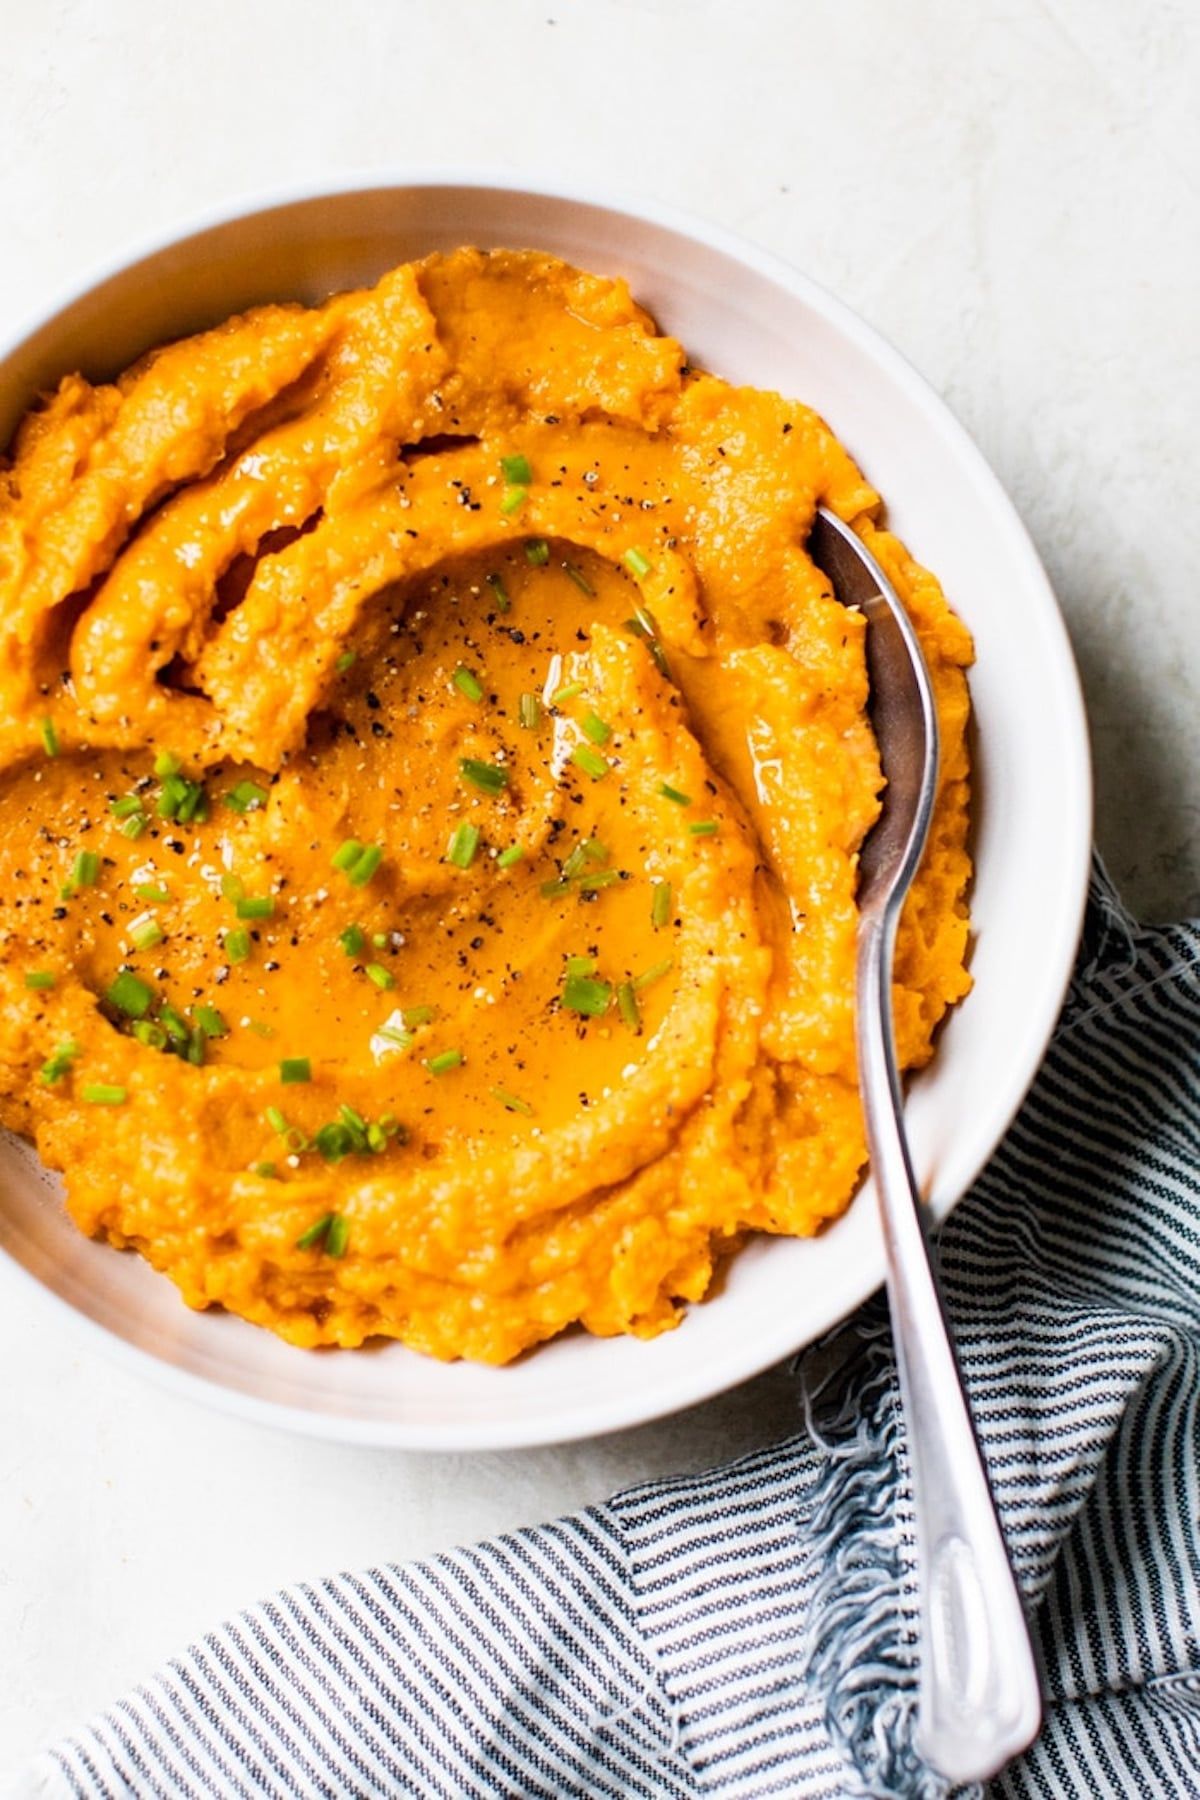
x=373 y=700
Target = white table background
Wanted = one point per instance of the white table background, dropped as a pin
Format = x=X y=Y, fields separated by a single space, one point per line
x=1008 y=192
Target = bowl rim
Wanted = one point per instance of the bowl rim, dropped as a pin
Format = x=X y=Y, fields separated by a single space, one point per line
x=1063 y=922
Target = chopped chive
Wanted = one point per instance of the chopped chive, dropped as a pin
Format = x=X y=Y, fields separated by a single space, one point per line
x=627 y=1006
x=583 y=994
x=568 y=691
x=508 y=859
x=394 y=1036
x=417 y=1015
x=467 y=683
x=365 y=866
x=197 y=1048
x=704 y=828
x=377 y=1139
x=529 y=711
x=256 y=906
x=444 y=1062
x=49 y=737
x=58 y=1065
x=104 y=1093
x=513 y=1102
x=210 y=1022
x=489 y=777
x=463 y=845
x=134 y=826
x=146 y=891
x=671 y=793
x=195 y=804
x=383 y=978
x=513 y=499
x=175 y=1025
x=85 y=872
x=237 y=946
x=144 y=937
x=233 y=888
x=308 y=1240
x=259 y=1029
x=265 y=1170
x=595 y=728
x=503 y=603
x=352 y=939
x=588 y=851
x=516 y=468
x=660 y=905
x=333 y=1142
x=126 y=806
x=276 y=1120
x=579 y=578
x=590 y=761
x=581 y=965
x=554 y=890
x=643 y=625
x=603 y=878
x=166 y=764
x=246 y=797
x=637 y=564
x=537 y=552
x=129 y=994
x=150 y=1033
x=381 y=939
x=182 y=800
x=653 y=974
x=171 y=797
x=358 y=1128
x=346 y=855
x=41 y=980
x=337 y=1237
x=345 y=661
x=294 y=1069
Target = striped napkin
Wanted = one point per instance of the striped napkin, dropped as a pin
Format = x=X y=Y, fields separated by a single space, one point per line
x=752 y=1631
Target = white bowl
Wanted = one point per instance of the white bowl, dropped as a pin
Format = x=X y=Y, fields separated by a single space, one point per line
x=747 y=317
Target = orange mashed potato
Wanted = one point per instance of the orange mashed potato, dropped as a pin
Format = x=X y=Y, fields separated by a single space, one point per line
x=431 y=779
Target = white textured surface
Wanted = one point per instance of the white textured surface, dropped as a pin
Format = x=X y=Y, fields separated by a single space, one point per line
x=1008 y=193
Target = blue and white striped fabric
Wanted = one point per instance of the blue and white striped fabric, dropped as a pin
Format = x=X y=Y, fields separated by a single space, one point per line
x=751 y=1631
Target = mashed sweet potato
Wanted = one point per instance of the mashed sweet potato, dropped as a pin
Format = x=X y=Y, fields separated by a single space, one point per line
x=431 y=778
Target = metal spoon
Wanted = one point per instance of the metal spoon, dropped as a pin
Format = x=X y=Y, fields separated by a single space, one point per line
x=979 y=1701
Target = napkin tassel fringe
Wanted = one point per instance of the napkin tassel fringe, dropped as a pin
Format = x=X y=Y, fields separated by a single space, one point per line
x=860 y=1647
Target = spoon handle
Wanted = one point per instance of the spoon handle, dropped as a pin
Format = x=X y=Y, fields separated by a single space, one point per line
x=979 y=1694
